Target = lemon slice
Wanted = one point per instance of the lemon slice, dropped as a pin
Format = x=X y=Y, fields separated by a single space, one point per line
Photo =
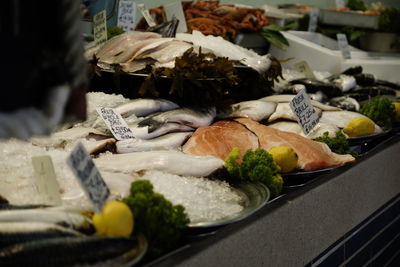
x=285 y=157
x=359 y=127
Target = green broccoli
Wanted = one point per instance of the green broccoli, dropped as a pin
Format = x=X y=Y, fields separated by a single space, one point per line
x=381 y=110
x=338 y=144
x=257 y=165
x=156 y=217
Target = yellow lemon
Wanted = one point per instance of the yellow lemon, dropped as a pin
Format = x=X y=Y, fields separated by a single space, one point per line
x=359 y=127
x=284 y=157
x=116 y=219
x=397 y=107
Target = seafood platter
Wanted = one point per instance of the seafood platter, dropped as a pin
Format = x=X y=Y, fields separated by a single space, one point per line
x=189 y=168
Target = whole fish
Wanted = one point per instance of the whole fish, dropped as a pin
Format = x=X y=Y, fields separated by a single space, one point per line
x=288 y=98
x=256 y=110
x=170 y=161
x=17 y=232
x=171 y=127
x=194 y=118
x=344 y=82
x=71 y=219
x=165 y=142
x=72 y=251
x=144 y=106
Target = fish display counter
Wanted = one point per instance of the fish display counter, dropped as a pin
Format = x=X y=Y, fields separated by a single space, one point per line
x=348 y=216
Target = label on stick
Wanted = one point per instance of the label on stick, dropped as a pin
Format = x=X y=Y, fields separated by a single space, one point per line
x=303 y=67
x=312 y=24
x=146 y=14
x=175 y=10
x=343 y=45
x=88 y=176
x=115 y=123
x=46 y=181
x=127 y=15
x=100 y=27
x=304 y=111
x=339 y=3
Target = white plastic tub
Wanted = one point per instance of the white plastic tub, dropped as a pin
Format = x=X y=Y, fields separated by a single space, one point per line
x=322 y=54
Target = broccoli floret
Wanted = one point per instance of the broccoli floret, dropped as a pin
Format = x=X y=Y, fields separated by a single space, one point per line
x=257 y=165
x=338 y=144
x=381 y=110
x=156 y=217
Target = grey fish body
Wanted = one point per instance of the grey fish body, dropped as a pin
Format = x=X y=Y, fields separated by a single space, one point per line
x=164 y=142
x=143 y=107
x=17 y=232
x=145 y=133
x=256 y=110
x=71 y=251
x=70 y=219
x=185 y=116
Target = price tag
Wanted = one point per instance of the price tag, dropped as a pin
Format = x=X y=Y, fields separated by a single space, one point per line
x=146 y=14
x=100 y=27
x=304 y=111
x=46 y=181
x=343 y=45
x=89 y=177
x=304 y=68
x=312 y=24
x=115 y=123
x=175 y=9
x=127 y=15
x=339 y=3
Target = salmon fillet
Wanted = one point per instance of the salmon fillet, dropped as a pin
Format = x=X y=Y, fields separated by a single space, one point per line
x=218 y=140
x=312 y=155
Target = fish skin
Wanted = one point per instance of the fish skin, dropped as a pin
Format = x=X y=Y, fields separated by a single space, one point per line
x=145 y=106
x=74 y=220
x=17 y=232
x=288 y=98
x=170 y=161
x=164 y=142
x=342 y=118
x=151 y=47
x=254 y=109
x=294 y=127
x=144 y=133
x=67 y=251
x=168 y=52
x=185 y=116
x=283 y=111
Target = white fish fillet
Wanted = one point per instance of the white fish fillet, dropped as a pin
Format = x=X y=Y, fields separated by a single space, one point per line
x=294 y=127
x=283 y=111
x=342 y=118
x=288 y=98
x=118 y=44
x=255 y=110
x=166 y=142
x=151 y=47
x=221 y=47
x=169 y=161
x=145 y=106
x=169 y=52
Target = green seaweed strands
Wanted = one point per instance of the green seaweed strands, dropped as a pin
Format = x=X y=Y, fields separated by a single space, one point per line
x=204 y=79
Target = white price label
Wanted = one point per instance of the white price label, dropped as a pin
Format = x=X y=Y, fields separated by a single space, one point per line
x=127 y=15
x=304 y=68
x=46 y=181
x=115 y=123
x=100 y=27
x=175 y=10
x=343 y=45
x=339 y=3
x=312 y=24
x=89 y=177
x=146 y=14
x=304 y=111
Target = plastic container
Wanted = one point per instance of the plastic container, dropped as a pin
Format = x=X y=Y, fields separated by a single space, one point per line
x=348 y=18
x=322 y=54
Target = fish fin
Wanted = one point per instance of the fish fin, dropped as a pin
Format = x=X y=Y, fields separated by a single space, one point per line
x=151 y=124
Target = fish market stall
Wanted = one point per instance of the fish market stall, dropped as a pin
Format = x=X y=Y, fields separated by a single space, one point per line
x=203 y=166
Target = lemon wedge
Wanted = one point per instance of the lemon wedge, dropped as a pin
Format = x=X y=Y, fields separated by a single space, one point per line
x=116 y=219
x=285 y=157
x=359 y=127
